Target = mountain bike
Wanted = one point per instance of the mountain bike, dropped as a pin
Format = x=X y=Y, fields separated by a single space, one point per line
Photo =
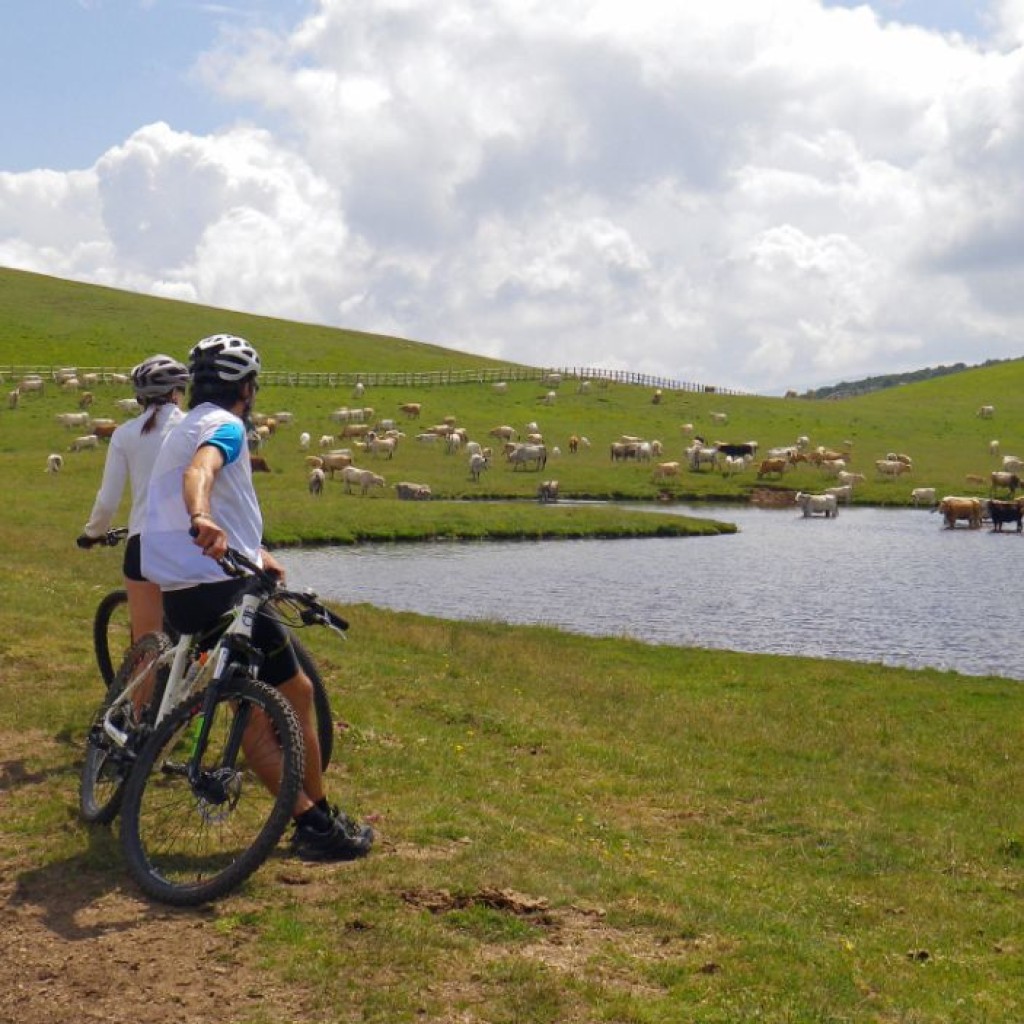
x=112 y=638
x=208 y=771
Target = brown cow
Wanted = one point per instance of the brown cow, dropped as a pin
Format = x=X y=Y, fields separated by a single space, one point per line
x=953 y=508
x=771 y=466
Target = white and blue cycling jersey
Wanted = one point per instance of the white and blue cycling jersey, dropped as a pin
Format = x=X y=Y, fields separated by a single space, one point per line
x=169 y=555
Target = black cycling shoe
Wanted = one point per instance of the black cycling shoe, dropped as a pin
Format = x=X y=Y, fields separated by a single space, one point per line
x=343 y=840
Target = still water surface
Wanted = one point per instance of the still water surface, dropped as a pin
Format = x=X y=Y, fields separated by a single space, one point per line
x=875 y=585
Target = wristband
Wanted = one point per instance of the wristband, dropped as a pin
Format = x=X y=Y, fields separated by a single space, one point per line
x=198 y=515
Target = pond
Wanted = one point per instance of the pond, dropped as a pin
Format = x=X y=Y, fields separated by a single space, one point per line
x=887 y=586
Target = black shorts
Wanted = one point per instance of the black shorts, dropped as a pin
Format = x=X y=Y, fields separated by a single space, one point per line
x=133 y=559
x=198 y=609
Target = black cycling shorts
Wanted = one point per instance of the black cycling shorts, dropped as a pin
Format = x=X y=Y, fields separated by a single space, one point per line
x=133 y=559
x=197 y=609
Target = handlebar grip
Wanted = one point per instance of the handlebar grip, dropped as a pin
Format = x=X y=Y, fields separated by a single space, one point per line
x=336 y=620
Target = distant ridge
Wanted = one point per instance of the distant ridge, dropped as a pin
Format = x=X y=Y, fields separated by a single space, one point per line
x=849 y=389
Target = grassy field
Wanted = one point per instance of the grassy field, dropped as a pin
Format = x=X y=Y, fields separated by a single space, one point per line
x=571 y=829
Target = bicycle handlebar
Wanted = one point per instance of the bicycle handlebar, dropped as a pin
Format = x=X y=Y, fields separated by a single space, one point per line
x=109 y=539
x=313 y=611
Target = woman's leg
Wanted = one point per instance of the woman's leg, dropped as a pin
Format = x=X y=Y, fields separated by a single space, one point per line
x=145 y=606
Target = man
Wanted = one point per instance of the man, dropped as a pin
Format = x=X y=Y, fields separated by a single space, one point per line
x=202 y=482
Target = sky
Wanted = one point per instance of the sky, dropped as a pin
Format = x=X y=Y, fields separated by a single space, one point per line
x=763 y=195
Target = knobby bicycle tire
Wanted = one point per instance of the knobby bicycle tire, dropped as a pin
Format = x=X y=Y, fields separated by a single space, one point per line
x=188 y=844
x=321 y=703
x=107 y=765
x=111 y=633
x=114 y=607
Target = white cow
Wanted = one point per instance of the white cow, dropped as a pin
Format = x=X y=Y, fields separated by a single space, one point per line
x=73 y=420
x=922 y=496
x=381 y=446
x=524 y=454
x=478 y=462
x=891 y=467
x=818 y=504
x=843 y=493
x=547 y=492
x=363 y=478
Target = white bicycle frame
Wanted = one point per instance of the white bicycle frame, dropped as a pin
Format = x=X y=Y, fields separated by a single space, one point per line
x=182 y=682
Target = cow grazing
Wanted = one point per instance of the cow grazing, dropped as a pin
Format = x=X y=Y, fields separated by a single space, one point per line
x=364 y=479
x=891 y=468
x=478 y=462
x=663 y=470
x=1003 y=481
x=525 y=454
x=922 y=496
x=772 y=467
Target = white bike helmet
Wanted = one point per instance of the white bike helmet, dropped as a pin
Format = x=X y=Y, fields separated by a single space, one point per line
x=223 y=358
x=157 y=376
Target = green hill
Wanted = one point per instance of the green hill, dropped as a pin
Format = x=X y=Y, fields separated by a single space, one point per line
x=52 y=322
x=47 y=320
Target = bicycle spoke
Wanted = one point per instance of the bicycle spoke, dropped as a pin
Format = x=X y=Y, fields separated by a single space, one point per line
x=192 y=839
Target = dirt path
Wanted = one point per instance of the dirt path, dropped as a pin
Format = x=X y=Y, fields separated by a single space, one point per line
x=74 y=950
x=77 y=945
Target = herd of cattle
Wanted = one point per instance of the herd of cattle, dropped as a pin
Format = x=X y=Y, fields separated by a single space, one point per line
x=360 y=433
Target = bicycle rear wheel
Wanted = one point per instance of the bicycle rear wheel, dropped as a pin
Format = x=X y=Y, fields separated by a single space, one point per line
x=188 y=842
x=111 y=633
x=107 y=764
x=321 y=703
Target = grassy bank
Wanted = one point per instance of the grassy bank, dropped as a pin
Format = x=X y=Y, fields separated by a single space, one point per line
x=592 y=830
x=570 y=829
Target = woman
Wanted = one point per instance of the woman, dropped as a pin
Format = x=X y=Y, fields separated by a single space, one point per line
x=159 y=383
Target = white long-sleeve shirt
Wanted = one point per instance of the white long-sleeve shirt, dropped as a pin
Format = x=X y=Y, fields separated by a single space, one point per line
x=130 y=459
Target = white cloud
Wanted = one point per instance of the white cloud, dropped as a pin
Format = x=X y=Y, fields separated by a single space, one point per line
x=759 y=196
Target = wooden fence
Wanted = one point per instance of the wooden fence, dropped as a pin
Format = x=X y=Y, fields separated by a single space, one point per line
x=550 y=377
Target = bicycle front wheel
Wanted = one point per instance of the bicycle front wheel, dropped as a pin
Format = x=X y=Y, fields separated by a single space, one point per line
x=190 y=837
x=107 y=764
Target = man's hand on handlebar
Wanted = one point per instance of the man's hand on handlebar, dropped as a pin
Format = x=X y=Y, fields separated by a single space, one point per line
x=209 y=536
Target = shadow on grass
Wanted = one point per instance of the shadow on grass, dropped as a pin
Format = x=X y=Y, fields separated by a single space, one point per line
x=84 y=896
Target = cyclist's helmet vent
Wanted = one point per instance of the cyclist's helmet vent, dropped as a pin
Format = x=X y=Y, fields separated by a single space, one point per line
x=157 y=376
x=223 y=357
